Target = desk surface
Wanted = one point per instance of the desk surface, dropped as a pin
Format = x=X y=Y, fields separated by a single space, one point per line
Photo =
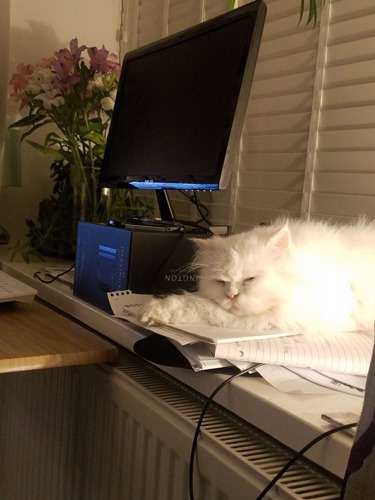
x=35 y=336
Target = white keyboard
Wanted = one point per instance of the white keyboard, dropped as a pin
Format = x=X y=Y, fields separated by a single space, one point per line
x=13 y=289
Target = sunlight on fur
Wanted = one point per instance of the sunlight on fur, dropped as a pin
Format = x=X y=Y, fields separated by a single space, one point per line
x=291 y=275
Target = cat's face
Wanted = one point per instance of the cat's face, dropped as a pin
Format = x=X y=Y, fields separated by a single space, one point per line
x=235 y=271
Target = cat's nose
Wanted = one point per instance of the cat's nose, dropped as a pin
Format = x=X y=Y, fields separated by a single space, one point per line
x=231 y=291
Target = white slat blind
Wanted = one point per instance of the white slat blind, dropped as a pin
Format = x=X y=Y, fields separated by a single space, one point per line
x=272 y=161
x=276 y=133
x=145 y=21
x=308 y=144
x=344 y=169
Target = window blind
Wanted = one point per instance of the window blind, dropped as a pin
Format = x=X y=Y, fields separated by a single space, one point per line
x=271 y=164
x=308 y=143
x=344 y=168
x=274 y=142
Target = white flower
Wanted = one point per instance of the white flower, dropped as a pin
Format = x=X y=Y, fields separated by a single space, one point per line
x=108 y=103
x=40 y=80
x=99 y=82
x=51 y=98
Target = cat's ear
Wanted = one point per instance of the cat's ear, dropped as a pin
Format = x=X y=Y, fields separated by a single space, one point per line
x=279 y=243
x=202 y=243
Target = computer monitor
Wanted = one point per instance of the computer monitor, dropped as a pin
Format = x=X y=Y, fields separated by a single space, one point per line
x=181 y=103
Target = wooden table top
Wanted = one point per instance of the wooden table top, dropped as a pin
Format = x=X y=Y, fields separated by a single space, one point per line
x=35 y=336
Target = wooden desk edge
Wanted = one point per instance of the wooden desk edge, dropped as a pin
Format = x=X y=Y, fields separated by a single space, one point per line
x=65 y=343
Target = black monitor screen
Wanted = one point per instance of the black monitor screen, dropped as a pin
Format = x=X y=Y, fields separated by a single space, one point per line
x=181 y=103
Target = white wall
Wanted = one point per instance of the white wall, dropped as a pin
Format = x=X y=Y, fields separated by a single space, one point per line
x=37 y=29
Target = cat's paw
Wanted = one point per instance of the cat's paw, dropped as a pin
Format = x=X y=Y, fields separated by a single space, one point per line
x=160 y=311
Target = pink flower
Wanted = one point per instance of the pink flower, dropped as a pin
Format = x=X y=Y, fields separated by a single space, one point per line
x=102 y=60
x=19 y=81
x=66 y=65
x=45 y=63
x=64 y=77
x=72 y=56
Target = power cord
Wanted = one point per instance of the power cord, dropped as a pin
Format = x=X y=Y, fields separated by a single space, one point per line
x=38 y=275
x=282 y=471
x=200 y=421
x=202 y=209
x=298 y=455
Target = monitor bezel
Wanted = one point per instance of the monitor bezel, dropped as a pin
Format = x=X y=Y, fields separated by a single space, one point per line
x=215 y=182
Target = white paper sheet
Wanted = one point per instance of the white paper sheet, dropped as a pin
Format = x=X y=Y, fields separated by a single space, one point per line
x=305 y=381
x=286 y=381
x=350 y=384
x=341 y=353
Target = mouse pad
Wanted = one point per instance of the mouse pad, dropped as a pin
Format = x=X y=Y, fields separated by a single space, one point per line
x=159 y=350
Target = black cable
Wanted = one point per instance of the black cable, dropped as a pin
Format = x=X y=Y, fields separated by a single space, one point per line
x=202 y=209
x=37 y=275
x=300 y=454
x=284 y=469
x=200 y=421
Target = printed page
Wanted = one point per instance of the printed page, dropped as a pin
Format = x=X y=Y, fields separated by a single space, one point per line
x=304 y=381
x=224 y=335
x=350 y=384
x=341 y=353
x=286 y=381
x=199 y=357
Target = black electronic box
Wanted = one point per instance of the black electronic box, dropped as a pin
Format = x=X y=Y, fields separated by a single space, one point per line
x=148 y=262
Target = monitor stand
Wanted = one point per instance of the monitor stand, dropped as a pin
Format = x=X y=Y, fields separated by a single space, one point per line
x=165 y=207
x=167 y=221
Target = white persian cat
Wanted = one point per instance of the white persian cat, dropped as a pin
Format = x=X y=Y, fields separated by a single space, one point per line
x=291 y=275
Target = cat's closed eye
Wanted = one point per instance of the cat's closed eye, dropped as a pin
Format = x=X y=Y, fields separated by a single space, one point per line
x=247 y=280
x=222 y=282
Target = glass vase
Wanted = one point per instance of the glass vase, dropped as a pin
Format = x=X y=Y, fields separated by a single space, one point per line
x=86 y=193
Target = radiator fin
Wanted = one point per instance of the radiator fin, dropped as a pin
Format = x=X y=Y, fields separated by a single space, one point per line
x=303 y=480
x=124 y=432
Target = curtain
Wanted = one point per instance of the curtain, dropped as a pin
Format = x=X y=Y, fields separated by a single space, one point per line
x=4 y=55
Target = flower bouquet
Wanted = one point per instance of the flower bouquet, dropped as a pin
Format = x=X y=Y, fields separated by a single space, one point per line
x=73 y=92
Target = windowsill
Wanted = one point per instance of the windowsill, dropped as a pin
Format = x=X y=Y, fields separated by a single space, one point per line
x=290 y=418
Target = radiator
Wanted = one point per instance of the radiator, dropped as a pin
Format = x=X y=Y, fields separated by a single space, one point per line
x=124 y=432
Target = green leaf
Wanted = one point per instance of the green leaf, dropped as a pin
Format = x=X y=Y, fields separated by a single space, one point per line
x=53 y=138
x=52 y=153
x=32 y=130
x=30 y=121
x=313 y=11
x=96 y=138
x=231 y=4
x=301 y=11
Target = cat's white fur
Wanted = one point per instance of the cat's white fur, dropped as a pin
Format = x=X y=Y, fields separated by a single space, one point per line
x=291 y=275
